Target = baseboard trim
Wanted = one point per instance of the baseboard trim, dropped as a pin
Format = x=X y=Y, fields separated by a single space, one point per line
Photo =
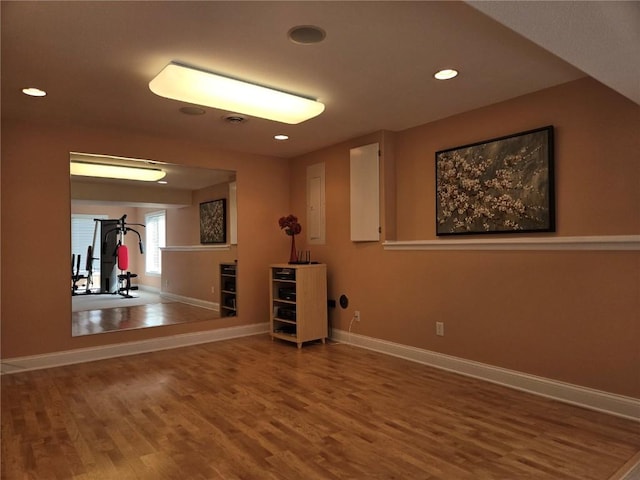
x=69 y=357
x=613 y=404
x=629 y=471
x=191 y=301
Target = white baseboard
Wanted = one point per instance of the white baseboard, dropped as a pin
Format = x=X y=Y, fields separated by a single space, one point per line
x=68 y=357
x=618 y=405
x=181 y=298
x=191 y=301
x=582 y=396
x=149 y=288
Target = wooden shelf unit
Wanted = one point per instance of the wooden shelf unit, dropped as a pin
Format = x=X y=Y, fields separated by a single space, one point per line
x=228 y=289
x=298 y=301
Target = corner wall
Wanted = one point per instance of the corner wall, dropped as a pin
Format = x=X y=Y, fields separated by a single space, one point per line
x=572 y=316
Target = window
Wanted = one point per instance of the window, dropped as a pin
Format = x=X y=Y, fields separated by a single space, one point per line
x=83 y=229
x=155 y=232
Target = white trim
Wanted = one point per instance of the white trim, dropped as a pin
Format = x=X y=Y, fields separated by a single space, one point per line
x=610 y=403
x=191 y=301
x=195 y=248
x=81 y=355
x=149 y=288
x=233 y=213
x=585 y=397
x=606 y=242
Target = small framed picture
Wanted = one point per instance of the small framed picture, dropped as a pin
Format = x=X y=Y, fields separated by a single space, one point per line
x=213 y=221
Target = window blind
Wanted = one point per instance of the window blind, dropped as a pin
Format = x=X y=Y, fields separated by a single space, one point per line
x=82 y=228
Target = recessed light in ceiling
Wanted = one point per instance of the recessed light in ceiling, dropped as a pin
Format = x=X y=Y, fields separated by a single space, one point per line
x=34 y=92
x=234 y=119
x=192 y=111
x=281 y=137
x=446 y=74
x=306 y=34
x=162 y=182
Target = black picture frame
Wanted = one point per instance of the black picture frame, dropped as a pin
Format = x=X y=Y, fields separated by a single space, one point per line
x=502 y=185
x=213 y=221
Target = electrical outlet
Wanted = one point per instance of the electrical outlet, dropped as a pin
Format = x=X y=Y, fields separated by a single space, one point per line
x=213 y=289
x=356 y=315
x=440 y=329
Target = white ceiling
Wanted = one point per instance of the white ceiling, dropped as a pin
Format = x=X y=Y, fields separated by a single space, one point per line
x=373 y=71
x=602 y=38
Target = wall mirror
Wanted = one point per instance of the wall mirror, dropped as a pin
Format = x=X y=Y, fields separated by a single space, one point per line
x=137 y=256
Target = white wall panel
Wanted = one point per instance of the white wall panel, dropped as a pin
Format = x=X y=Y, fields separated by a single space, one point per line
x=365 y=193
x=316 y=212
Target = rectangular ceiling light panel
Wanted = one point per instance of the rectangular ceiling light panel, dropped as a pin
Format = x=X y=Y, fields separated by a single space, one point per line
x=102 y=170
x=199 y=87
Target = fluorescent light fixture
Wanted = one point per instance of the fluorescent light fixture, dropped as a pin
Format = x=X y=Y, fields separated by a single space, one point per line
x=102 y=170
x=446 y=74
x=191 y=85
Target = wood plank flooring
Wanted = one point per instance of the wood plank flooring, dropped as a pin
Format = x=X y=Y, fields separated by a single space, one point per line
x=87 y=322
x=251 y=408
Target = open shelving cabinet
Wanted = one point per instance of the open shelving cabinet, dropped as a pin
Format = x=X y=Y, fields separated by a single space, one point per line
x=228 y=289
x=298 y=300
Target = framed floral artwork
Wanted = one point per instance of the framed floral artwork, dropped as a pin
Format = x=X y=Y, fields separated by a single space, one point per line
x=213 y=221
x=502 y=185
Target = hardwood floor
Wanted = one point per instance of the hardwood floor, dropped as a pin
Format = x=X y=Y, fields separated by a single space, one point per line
x=251 y=408
x=87 y=322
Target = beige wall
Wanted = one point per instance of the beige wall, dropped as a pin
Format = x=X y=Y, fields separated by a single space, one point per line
x=186 y=273
x=35 y=176
x=186 y=221
x=570 y=316
x=194 y=274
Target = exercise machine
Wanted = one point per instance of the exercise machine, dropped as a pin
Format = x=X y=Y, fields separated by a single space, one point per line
x=77 y=277
x=113 y=240
x=115 y=277
x=76 y=261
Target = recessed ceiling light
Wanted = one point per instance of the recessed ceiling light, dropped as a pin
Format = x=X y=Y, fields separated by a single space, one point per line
x=163 y=182
x=34 y=92
x=234 y=119
x=306 y=34
x=281 y=137
x=446 y=74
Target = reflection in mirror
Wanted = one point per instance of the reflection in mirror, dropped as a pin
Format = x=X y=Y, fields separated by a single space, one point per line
x=137 y=254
